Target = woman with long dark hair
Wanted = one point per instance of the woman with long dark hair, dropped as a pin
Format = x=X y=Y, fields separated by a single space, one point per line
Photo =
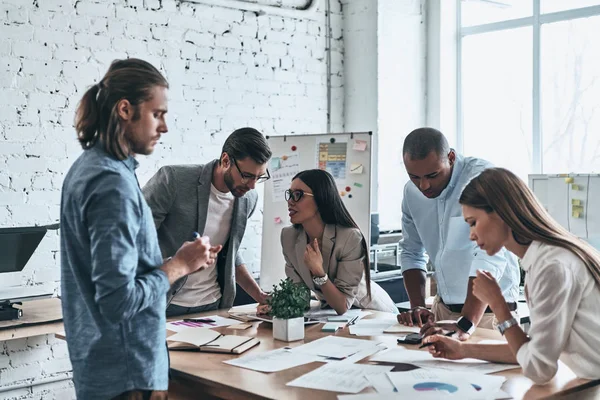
x=325 y=249
x=562 y=282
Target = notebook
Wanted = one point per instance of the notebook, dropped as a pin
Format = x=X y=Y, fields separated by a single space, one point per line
x=204 y=339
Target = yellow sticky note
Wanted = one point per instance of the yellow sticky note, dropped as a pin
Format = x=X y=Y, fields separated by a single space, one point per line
x=576 y=214
x=576 y=202
x=574 y=187
x=569 y=180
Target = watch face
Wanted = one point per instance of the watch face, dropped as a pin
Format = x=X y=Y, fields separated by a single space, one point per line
x=464 y=324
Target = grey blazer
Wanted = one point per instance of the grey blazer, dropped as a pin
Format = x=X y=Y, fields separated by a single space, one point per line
x=343 y=258
x=178 y=196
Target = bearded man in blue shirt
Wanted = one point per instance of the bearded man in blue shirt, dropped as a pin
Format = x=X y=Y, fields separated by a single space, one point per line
x=113 y=278
x=433 y=224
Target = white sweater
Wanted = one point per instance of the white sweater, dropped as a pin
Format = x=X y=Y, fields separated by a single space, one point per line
x=563 y=300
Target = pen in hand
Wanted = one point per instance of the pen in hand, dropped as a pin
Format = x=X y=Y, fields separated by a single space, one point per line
x=429 y=344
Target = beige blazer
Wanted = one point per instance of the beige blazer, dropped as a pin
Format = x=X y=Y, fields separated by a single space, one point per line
x=342 y=261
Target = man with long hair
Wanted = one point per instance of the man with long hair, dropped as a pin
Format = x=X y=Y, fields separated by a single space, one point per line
x=432 y=223
x=215 y=199
x=113 y=279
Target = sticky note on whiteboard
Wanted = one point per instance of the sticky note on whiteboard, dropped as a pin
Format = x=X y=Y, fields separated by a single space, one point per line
x=277 y=220
x=360 y=145
x=356 y=168
x=576 y=202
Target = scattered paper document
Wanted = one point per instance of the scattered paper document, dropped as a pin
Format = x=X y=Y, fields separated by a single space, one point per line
x=335 y=347
x=345 y=378
x=424 y=359
x=371 y=327
x=400 y=328
x=324 y=314
x=381 y=383
x=470 y=385
x=356 y=357
x=211 y=321
x=388 y=396
x=272 y=361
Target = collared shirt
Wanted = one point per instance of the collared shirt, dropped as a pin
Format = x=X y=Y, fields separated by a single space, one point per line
x=437 y=226
x=563 y=299
x=113 y=292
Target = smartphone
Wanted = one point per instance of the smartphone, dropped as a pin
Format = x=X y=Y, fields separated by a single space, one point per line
x=411 y=338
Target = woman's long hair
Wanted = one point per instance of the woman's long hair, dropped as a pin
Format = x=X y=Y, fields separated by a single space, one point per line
x=97 y=118
x=499 y=190
x=332 y=209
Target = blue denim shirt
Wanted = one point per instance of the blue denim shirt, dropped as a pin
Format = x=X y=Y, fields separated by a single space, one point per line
x=113 y=292
x=437 y=226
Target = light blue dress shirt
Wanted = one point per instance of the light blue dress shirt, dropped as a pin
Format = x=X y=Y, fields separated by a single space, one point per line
x=437 y=226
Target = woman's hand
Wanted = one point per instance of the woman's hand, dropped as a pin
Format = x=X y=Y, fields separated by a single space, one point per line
x=313 y=259
x=487 y=290
x=444 y=347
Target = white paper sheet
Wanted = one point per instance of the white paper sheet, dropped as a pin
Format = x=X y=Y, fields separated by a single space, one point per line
x=282 y=172
x=381 y=383
x=354 y=358
x=177 y=326
x=371 y=327
x=345 y=378
x=423 y=359
x=400 y=328
x=335 y=347
x=473 y=385
x=272 y=361
x=324 y=315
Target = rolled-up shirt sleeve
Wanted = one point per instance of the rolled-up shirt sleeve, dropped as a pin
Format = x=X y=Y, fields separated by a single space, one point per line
x=113 y=216
x=413 y=251
x=552 y=295
x=350 y=267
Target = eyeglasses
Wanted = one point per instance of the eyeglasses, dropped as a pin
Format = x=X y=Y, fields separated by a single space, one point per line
x=296 y=195
x=249 y=177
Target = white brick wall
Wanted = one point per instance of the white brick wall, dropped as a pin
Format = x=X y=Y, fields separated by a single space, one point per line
x=227 y=69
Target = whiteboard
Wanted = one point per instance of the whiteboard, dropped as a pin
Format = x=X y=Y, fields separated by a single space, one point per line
x=347 y=156
x=573 y=200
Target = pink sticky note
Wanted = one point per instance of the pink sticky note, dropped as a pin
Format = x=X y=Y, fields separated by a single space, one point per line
x=277 y=220
x=360 y=145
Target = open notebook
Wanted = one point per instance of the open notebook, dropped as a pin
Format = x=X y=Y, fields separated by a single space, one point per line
x=204 y=339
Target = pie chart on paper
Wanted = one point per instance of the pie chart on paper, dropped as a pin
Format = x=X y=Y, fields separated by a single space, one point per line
x=435 y=387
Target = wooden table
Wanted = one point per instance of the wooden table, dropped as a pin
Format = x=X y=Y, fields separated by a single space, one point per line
x=204 y=375
x=40 y=317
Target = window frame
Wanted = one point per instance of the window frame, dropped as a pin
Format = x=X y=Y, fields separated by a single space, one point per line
x=535 y=21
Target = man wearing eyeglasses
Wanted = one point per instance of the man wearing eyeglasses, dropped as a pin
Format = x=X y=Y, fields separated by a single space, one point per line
x=215 y=200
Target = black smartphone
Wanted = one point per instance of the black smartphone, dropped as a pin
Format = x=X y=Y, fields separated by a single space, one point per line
x=411 y=338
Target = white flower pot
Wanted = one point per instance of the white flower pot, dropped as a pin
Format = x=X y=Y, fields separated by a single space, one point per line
x=288 y=330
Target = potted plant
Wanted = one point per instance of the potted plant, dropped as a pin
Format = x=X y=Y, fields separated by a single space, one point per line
x=288 y=300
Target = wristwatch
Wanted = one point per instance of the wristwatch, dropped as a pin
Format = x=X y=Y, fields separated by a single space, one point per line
x=503 y=326
x=320 y=280
x=465 y=325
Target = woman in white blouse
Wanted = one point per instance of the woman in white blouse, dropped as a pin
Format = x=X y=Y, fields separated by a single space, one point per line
x=562 y=283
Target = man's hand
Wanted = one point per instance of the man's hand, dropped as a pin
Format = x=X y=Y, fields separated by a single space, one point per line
x=190 y=257
x=445 y=347
x=416 y=316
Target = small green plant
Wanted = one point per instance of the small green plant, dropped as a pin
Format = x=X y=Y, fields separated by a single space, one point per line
x=288 y=299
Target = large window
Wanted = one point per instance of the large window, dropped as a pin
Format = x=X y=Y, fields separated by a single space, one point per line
x=529 y=86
